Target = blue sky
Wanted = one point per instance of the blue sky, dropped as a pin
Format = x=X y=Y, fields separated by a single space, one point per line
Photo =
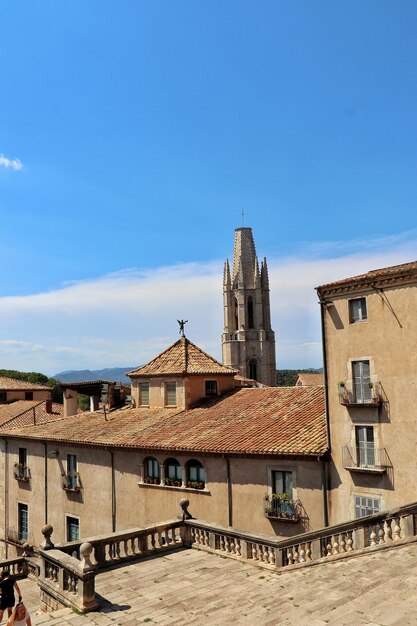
x=133 y=133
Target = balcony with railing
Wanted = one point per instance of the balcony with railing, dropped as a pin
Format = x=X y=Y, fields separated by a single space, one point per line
x=365 y=458
x=71 y=481
x=21 y=472
x=279 y=507
x=367 y=394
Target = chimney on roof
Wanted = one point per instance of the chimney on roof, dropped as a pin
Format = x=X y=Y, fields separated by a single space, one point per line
x=48 y=405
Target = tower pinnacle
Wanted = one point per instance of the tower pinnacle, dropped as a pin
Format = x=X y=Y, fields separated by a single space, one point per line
x=248 y=341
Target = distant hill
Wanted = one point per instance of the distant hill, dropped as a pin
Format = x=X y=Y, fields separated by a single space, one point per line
x=113 y=374
x=285 y=378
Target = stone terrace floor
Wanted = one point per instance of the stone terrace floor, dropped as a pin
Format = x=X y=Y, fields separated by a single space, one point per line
x=193 y=587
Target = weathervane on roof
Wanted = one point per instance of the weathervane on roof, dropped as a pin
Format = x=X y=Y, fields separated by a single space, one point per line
x=182 y=323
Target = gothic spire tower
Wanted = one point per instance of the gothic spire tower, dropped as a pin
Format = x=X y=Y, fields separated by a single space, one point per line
x=248 y=341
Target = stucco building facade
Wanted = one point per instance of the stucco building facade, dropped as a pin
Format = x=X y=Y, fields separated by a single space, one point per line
x=227 y=450
x=370 y=348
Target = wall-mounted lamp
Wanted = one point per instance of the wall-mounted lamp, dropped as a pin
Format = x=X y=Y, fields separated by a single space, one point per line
x=54 y=453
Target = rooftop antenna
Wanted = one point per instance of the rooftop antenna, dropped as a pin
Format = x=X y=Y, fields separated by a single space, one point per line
x=182 y=323
x=243 y=218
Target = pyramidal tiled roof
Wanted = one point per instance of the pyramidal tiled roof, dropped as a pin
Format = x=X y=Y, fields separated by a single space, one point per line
x=182 y=358
x=270 y=420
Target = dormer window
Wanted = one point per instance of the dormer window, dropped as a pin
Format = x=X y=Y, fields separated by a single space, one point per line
x=143 y=394
x=171 y=394
x=211 y=387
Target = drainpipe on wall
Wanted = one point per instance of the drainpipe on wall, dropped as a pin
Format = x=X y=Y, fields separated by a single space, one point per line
x=6 y=496
x=323 y=305
x=113 y=494
x=229 y=493
x=324 y=490
x=325 y=373
x=46 y=481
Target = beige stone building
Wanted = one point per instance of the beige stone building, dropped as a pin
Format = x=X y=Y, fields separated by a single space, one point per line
x=190 y=434
x=308 y=379
x=12 y=390
x=370 y=348
x=248 y=341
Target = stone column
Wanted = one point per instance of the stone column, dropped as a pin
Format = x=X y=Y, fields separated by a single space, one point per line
x=70 y=402
x=94 y=400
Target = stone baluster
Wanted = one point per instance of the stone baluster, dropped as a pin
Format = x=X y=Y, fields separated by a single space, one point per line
x=397 y=529
x=388 y=530
x=335 y=545
x=302 y=554
x=381 y=533
x=349 y=542
x=372 y=536
x=342 y=543
x=238 y=548
x=329 y=548
x=290 y=557
x=295 y=554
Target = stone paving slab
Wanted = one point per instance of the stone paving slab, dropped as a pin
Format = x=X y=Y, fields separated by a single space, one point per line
x=194 y=587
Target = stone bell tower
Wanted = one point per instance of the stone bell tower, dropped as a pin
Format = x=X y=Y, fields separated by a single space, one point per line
x=248 y=341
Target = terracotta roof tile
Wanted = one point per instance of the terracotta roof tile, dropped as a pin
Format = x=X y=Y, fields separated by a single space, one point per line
x=24 y=412
x=12 y=384
x=181 y=358
x=269 y=420
x=372 y=275
x=310 y=378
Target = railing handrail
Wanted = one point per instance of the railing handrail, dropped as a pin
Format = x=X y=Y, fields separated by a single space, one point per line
x=121 y=535
x=320 y=533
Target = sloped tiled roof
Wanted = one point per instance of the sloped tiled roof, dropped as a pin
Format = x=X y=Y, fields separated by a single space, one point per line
x=24 y=412
x=182 y=358
x=391 y=272
x=310 y=378
x=12 y=384
x=261 y=421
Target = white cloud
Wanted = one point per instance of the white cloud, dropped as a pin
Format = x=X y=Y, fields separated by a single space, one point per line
x=126 y=318
x=10 y=164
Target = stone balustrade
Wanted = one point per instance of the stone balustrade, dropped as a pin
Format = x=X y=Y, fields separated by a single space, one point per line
x=373 y=531
x=67 y=571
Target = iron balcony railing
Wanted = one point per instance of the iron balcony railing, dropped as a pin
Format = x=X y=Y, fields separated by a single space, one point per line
x=365 y=458
x=71 y=481
x=360 y=394
x=279 y=507
x=21 y=472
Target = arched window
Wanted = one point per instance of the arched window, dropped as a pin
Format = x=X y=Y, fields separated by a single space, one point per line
x=173 y=473
x=250 y=312
x=196 y=475
x=253 y=369
x=152 y=471
x=236 y=315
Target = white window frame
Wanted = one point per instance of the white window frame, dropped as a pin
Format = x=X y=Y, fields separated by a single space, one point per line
x=366 y=497
x=22 y=504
